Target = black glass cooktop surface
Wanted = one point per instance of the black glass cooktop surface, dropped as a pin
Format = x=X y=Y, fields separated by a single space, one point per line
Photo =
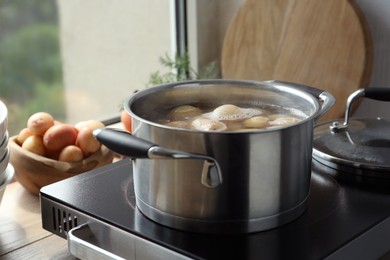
x=339 y=220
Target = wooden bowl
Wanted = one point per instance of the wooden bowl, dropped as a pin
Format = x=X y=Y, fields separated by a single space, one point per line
x=33 y=171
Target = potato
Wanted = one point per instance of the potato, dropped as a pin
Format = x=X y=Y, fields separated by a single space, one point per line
x=256 y=122
x=276 y=116
x=94 y=124
x=178 y=124
x=284 y=121
x=56 y=140
x=58 y=136
x=80 y=125
x=126 y=121
x=184 y=112
x=87 y=142
x=71 y=153
x=34 y=144
x=23 y=135
x=207 y=124
x=39 y=122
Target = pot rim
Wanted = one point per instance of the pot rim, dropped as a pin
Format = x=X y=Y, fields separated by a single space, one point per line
x=284 y=86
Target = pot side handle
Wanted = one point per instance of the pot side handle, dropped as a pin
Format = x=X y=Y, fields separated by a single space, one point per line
x=327 y=100
x=126 y=144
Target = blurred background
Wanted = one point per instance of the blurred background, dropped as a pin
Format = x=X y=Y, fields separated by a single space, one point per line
x=79 y=60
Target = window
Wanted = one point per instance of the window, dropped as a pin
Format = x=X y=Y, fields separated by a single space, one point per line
x=79 y=60
x=30 y=63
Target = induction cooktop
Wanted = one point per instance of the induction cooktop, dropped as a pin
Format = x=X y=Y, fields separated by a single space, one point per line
x=97 y=213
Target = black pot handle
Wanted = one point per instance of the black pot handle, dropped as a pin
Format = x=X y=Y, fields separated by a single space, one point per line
x=123 y=142
x=126 y=144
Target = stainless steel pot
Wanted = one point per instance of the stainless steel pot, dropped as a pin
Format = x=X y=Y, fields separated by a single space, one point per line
x=220 y=182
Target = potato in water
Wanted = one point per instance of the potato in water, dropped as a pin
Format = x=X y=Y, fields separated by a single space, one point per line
x=178 y=124
x=207 y=124
x=284 y=121
x=256 y=122
x=228 y=117
x=232 y=112
x=184 y=112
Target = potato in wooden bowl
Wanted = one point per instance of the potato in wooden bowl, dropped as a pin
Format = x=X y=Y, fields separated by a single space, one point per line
x=48 y=151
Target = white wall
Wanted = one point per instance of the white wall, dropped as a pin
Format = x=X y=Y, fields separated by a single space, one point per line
x=109 y=49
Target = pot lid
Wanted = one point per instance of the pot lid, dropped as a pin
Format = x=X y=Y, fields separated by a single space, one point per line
x=359 y=146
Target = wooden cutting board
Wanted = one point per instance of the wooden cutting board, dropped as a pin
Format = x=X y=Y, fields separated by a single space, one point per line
x=320 y=43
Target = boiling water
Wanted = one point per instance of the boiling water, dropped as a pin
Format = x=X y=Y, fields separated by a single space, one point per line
x=228 y=117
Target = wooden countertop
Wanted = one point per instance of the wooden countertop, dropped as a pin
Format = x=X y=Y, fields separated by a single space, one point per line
x=21 y=232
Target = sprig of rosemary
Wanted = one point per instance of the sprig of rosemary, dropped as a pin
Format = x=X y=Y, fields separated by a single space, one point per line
x=179 y=69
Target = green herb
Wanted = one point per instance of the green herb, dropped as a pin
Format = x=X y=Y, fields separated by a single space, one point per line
x=179 y=69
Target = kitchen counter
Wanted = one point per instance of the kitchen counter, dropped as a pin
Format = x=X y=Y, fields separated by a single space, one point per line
x=21 y=232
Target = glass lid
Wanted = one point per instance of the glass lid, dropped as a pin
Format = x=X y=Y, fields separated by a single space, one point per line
x=364 y=144
x=359 y=146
